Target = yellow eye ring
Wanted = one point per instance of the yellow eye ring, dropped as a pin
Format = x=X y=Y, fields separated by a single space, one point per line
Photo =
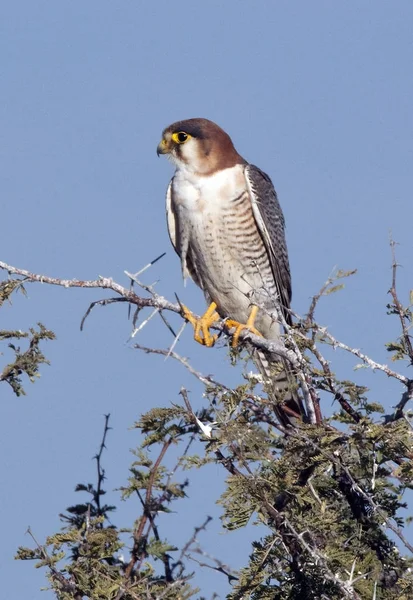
x=180 y=137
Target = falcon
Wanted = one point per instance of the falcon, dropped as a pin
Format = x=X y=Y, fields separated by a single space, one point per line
x=227 y=226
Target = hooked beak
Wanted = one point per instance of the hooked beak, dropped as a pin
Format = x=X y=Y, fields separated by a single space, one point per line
x=162 y=147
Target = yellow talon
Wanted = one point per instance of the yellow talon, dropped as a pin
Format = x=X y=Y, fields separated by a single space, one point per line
x=230 y=323
x=203 y=324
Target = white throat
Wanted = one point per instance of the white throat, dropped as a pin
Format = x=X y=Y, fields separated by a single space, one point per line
x=194 y=191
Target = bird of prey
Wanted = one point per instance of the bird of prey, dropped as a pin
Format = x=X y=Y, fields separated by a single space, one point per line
x=227 y=226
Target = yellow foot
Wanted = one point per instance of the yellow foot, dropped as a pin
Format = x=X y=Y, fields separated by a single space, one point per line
x=202 y=325
x=230 y=323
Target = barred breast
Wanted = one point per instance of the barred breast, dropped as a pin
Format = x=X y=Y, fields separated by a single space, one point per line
x=220 y=240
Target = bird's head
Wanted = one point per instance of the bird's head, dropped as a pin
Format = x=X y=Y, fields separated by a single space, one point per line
x=199 y=146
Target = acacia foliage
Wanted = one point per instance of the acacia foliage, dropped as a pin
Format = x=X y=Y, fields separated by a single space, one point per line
x=330 y=495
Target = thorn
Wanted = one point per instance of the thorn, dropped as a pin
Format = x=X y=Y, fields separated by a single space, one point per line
x=167 y=323
x=179 y=302
x=178 y=335
x=155 y=260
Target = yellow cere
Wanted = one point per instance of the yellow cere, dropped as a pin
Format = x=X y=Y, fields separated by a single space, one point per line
x=180 y=137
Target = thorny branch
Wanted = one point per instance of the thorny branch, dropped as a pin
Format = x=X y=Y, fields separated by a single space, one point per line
x=67 y=585
x=192 y=540
x=100 y=469
x=220 y=567
x=293 y=356
x=406 y=397
x=293 y=540
x=326 y=289
x=328 y=384
x=156 y=301
x=311 y=400
x=325 y=334
x=137 y=553
x=375 y=366
x=334 y=459
x=399 y=306
x=283 y=527
x=205 y=379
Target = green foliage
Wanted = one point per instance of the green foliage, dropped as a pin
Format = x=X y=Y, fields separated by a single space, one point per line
x=26 y=361
x=9 y=286
x=328 y=499
x=84 y=559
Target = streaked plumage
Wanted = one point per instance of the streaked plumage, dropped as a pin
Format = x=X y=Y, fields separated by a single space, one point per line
x=226 y=224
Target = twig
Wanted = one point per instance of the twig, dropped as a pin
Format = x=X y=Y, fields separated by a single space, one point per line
x=282 y=315
x=193 y=539
x=100 y=470
x=168 y=325
x=154 y=527
x=67 y=586
x=321 y=560
x=145 y=322
x=155 y=301
x=134 y=278
x=150 y=264
x=178 y=335
x=399 y=307
x=220 y=566
x=104 y=302
x=205 y=379
x=310 y=400
x=335 y=276
x=328 y=385
x=151 y=513
x=354 y=484
x=138 y=533
x=102 y=282
x=406 y=397
x=366 y=359
x=316 y=298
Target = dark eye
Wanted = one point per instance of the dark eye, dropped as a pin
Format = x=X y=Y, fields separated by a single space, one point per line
x=182 y=137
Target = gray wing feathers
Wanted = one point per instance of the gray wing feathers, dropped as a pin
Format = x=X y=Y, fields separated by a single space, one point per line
x=270 y=222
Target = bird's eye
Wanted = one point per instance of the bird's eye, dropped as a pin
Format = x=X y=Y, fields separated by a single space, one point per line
x=180 y=137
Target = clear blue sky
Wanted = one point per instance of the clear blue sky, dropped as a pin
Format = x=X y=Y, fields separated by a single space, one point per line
x=318 y=94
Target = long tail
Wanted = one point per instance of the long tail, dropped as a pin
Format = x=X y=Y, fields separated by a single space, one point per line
x=280 y=383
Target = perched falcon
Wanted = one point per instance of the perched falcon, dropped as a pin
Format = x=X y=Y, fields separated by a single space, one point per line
x=227 y=226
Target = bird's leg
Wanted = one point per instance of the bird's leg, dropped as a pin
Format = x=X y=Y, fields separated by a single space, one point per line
x=249 y=325
x=203 y=324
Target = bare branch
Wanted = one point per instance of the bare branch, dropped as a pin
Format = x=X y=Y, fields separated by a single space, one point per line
x=100 y=470
x=66 y=584
x=398 y=305
x=159 y=304
x=219 y=566
x=102 y=282
x=205 y=379
x=138 y=533
x=103 y=302
x=366 y=359
x=328 y=384
x=177 y=336
x=325 y=289
x=155 y=301
x=310 y=399
x=406 y=397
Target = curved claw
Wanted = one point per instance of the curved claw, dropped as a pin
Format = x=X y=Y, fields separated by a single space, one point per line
x=202 y=325
x=239 y=327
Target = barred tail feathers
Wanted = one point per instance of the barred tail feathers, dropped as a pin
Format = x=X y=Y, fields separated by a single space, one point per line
x=280 y=383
